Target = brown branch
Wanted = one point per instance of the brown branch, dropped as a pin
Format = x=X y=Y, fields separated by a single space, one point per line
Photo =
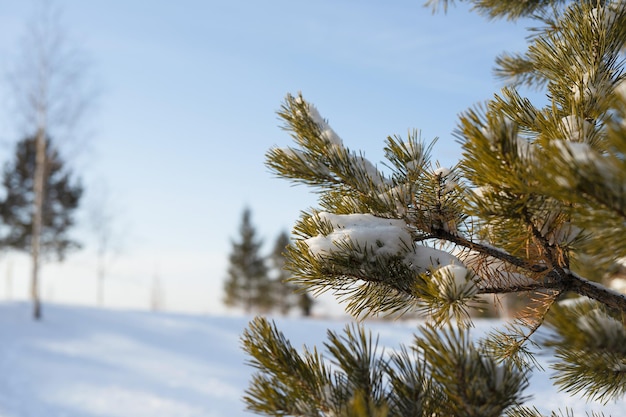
x=595 y=291
x=559 y=279
x=522 y=288
x=489 y=250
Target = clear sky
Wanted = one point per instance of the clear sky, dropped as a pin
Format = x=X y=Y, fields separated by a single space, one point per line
x=186 y=112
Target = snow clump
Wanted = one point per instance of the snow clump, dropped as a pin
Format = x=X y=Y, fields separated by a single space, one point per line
x=603 y=17
x=575 y=128
x=398 y=196
x=590 y=86
x=508 y=133
x=620 y=89
x=457 y=278
x=582 y=154
x=445 y=175
x=382 y=237
x=326 y=132
x=599 y=326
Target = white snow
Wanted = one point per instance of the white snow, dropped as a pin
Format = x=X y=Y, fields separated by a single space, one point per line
x=580 y=153
x=445 y=175
x=597 y=324
x=620 y=89
x=619 y=285
x=335 y=143
x=424 y=257
x=381 y=237
x=587 y=87
x=458 y=277
x=575 y=128
x=443 y=171
x=508 y=129
x=326 y=131
x=371 y=171
x=604 y=17
x=399 y=196
x=84 y=362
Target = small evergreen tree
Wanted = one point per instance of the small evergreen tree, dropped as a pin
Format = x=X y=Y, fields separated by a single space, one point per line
x=248 y=284
x=61 y=199
x=288 y=294
x=536 y=205
x=284 y=290
x=305 y=302
x=38 y=206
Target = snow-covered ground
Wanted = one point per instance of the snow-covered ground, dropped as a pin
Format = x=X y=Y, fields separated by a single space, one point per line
x=84 y=362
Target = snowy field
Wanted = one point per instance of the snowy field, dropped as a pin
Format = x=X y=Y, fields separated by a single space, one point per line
x=84 y=362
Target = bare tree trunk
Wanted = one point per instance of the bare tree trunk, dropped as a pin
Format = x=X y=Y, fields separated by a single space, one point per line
x=157 y=301
x=100 y=278
x=9 y=281
x=101 y=221
x=39 y=189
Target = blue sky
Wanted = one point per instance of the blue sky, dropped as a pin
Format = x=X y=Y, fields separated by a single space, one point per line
x=186 y=112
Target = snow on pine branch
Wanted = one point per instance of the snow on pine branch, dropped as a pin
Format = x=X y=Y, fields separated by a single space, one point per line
x=506 y=134
x=447 y=178
x=336 y=144
x=589 y=86
x=385 y=237
x=576 y=128
x=382 y=237
x=326 y=132
x=335 y=153
x=315 y=166
x=581 y=155
x=458 y=278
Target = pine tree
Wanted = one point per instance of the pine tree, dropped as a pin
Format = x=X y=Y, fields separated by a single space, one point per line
x=535 y=206
x=284 y=290
x=248 y=284
x=288 y=294
x=61 y=199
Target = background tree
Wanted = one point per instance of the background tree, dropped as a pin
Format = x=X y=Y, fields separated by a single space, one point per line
x=51 y=95
x=305 y=302
x=536 y=205
x=248 y=284
x=157 y=296
x=103 y=223
x=288 y=295
x=62 y=198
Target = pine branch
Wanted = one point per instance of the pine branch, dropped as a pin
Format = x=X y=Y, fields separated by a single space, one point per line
x=509 y=9
x=590 y=344
x=547 y=188
x=517 y=70
x=532 y=287
x=475 y=383
x=512 y=344
x=490 y=251
x=564 y=280
x=595 y=291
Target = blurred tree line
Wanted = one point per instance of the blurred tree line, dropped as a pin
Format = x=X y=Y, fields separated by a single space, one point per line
x=260 y=283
